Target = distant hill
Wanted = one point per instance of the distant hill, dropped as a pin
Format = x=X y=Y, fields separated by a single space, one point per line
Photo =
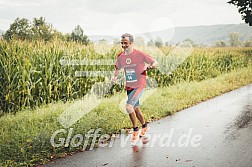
x=206 y=35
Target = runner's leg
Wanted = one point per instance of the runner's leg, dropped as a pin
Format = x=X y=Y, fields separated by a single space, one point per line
x=139 y=115
x=132 y=114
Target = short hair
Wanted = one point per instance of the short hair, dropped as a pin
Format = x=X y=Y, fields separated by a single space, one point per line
x=131 y=38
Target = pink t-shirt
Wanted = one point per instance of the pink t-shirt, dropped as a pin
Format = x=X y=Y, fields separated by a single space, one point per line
x=133 y=65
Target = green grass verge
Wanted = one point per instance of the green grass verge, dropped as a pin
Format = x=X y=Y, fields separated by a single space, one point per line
x=25 y=136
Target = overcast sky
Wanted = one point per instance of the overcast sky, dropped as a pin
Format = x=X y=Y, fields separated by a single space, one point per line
x=114 y=17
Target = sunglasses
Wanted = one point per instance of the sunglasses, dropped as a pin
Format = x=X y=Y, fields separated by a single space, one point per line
x=125 y=43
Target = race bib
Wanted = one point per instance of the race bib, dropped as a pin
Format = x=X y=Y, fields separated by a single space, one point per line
x=130 y=75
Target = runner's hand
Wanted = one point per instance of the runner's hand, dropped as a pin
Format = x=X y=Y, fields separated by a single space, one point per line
x=151 y=67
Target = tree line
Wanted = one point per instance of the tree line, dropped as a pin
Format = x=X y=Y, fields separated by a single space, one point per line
x=39 y=29
x=234 y=41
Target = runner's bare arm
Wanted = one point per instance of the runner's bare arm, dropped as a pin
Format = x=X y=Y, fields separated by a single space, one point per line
x=154 y=64
x=114 y=78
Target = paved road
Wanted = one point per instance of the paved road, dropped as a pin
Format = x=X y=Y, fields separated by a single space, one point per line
x=215 y=133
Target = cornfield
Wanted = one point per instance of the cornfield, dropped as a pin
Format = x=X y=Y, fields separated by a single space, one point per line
x=32 y=74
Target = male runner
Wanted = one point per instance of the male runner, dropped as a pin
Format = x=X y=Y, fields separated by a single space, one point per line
x=134 y=63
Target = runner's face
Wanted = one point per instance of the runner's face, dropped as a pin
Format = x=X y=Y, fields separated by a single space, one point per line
x=125 y=44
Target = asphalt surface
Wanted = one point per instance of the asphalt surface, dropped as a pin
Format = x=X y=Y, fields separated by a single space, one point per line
x=215 y=133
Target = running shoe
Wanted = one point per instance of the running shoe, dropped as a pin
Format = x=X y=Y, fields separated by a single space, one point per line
x=135 y=136
x=144 y=130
